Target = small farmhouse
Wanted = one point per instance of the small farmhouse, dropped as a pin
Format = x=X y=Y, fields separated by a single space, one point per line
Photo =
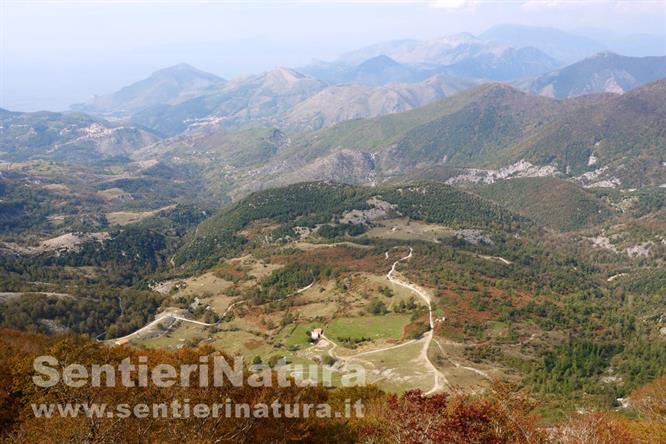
x=316 y=334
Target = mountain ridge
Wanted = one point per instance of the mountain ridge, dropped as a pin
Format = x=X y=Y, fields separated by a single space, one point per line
x=256 y=98
x=596 y=140
x=602 y=72
x=165 y=86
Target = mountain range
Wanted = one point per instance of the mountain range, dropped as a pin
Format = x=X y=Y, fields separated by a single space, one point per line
x=480 y=135
x=489 y=132
x=570 y=47
x=256 y=99
x=495 y=126
x=560 y=45
x=399 y=110
x=380 y=79
x=376 y=70
x=297 y=102
x=603 y=72
x=461 y=55
x=290 y=100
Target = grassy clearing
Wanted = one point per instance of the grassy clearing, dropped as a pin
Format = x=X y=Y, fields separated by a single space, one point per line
x=295 y=335
x=241 y=343
x=318 y=309
x=211 y=289
x=176 y=338
x=127 y=217
x=389 y=326
x=219 y=303
x=445 y=355
x=404 y=229
x=395 y=369
x=206 y=283
x=254 y=267
x=111 y=193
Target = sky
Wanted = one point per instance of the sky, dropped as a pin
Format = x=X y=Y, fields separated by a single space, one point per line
x=54 y=53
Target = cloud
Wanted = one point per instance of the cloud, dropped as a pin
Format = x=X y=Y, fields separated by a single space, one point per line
x=534 y=5
x=641 y=7
x=452 y=4
x=570 y=5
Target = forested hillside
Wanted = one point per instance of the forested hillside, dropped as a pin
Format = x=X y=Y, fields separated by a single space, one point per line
x=312 y=204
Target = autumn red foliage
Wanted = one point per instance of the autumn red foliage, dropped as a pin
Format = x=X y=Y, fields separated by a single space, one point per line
x=500 y=415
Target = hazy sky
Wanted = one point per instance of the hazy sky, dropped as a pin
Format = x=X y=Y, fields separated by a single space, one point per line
x=54 y=53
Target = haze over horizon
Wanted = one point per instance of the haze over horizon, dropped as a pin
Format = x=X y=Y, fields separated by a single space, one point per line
x=69 y=51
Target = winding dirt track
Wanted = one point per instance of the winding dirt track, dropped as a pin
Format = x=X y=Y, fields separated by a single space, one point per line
x=171 y=315
x=440 y=381
x=146 y=327
x=459 y=365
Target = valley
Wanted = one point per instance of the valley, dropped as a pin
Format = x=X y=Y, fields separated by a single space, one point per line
x=425 y=285
x=477 y=222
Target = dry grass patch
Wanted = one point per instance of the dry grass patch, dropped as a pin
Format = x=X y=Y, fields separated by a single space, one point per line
x=405 y=229
x=128 y=217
